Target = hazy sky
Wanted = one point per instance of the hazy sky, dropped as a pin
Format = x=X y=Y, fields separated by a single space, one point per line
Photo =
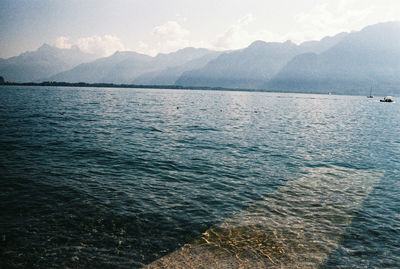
x=152 y=26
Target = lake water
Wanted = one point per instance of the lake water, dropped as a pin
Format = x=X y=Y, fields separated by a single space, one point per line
x=96 y=177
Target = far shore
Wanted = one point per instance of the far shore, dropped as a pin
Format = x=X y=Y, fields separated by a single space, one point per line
x=167 y=87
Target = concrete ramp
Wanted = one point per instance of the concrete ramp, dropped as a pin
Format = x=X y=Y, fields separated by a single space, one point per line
x=297 y=226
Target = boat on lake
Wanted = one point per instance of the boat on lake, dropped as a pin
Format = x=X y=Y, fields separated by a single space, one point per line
x=370 y=94
x=387 y=99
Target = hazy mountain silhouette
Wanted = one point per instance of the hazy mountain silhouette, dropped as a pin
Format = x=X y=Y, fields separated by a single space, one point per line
x=364 y=59
x=42 y=63
x=169 y=75
x=246 y=68
x=124 y=67
x=323 y=44
x=179 y=57
x=117 y=68
x=345 y=63
x=253 y=66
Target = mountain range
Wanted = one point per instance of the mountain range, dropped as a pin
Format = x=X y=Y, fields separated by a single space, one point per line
x=347 y=63
x=125 y=67
x=251 y=67
x=364 y=59
x=42 y=63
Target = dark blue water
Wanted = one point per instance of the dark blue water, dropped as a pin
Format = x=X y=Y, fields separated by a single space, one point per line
x=96 y=177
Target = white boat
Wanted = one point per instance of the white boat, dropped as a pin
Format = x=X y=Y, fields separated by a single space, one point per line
x=388 y=99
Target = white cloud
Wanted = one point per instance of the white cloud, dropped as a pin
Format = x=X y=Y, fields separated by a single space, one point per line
x=236 y=35
x=325 y=18
x=240 y=35
x=171 y=36
x=330 y=19
x=63 y=43
x=246 y=19
x=168 y=37
x=99 y=45
x=170 y=30
x=321 y=20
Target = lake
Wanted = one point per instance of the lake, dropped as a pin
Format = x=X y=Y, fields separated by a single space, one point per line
x=98 y=177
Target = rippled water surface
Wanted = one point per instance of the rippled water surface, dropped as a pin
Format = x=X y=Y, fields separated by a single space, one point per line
x=128 y=178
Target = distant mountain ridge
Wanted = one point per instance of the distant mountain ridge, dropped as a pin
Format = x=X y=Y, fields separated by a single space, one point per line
x=348 y=63
x=246 y=68
x=119 y=67
x=125 y=67
x=170 y=75
x=42 y=63
x=253 y=66
x=364 y=59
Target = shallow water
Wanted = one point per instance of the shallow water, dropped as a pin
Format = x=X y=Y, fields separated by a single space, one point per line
x=96 y=177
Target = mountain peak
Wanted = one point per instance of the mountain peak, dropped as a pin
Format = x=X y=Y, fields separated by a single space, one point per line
x=391 y=27
x=126 y=52
x=258 y=44
x=184 y=51
x=45 y=46
x=382 y=36
x=386 y=25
